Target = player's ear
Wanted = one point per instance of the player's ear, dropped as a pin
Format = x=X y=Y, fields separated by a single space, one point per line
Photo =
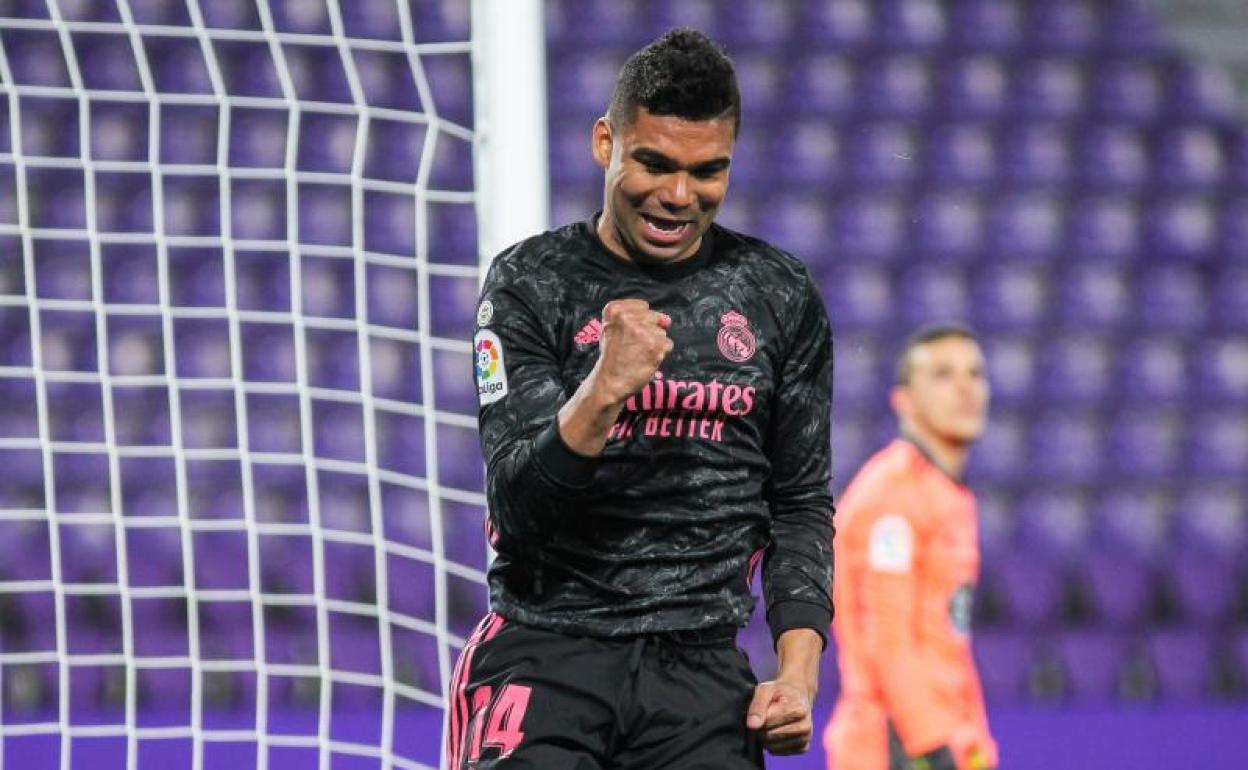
x=602 y=140
x=900 y=400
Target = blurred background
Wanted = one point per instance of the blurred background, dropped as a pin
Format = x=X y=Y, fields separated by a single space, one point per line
x=240 y=509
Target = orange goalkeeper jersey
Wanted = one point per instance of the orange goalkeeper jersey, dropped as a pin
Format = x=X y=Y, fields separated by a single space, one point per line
x=907 y=559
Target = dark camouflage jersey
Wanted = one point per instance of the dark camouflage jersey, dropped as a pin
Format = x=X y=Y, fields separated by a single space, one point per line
x=721 y=462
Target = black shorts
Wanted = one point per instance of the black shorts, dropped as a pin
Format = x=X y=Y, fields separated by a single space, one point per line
x=522 y=697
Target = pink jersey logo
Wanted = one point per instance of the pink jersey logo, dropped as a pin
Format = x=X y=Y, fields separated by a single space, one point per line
x=736 y=341
x=590 y=333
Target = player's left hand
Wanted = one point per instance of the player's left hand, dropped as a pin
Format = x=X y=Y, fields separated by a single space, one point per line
x=780 y=712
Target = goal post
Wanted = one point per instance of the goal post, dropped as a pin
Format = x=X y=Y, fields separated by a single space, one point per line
x=509 y=66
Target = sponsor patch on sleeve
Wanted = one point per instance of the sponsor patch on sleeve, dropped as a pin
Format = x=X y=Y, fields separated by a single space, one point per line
x=891 y=547
x=491 y=369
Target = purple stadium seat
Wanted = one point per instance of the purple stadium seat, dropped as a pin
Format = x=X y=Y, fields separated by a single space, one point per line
x=1211 y=518
x=459 y=463
x=401 y=444
x=975 y=86
x=88 y=553
x=1013 y=369
x=985 y=24
x=1131 y=26
x=154 y=556
x=389 y=223
x=1067 y=446
x=1152 y=371
x=1033 y=590
x=1126 y=89
x=371 y=20
x=1182 y=228
x=1049 y=87
x=895 y=86
x=866 y=228
x=859 y=365
x=1052 y=524
x=1203 y=92
x=1004 y=661
x=1170 y=298
x=258 y=138
x=439 y=22
x=883 y=153
x=1121 y=587
x=1066 y=25
x=36 y=57
x=1036 y=154
x=1009 y=296
x=1132 y=521
x=1190 y=156
x=1113 y=155
x=107 y=63
x=837 y=24
x=822 y=83
x=1222 y=371
x=1144 y=444
x=860 y=296
x=931 y=293
x=759 y=24
x=1027 y=226
x=1077 y=370
x=814 y=150
x=403 y=573
x=948 y=226
x=961 y=153
x=327 y=142
x=1217 y=445
x=995 y=508
x=1104 y=228
x=1183 y=661
x=1094 y=297
x=1203 y=582
x=911 y=24
x=1092 y=661
x=1001 y=454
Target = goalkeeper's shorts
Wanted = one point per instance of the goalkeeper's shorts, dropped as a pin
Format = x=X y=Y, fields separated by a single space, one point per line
x=523 y=697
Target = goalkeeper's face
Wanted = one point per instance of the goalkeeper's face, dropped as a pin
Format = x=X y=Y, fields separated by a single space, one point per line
x=665 y=178
x=946 y=396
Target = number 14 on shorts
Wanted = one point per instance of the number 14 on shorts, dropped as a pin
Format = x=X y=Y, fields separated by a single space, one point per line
x=496 y=722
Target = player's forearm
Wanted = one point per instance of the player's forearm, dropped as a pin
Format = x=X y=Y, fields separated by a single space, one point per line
x=586 y=419
x=797 y=652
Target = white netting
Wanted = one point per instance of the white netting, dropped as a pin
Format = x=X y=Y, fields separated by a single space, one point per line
x=240 y=507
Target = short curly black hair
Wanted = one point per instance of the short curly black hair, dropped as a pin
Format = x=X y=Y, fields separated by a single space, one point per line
x=683 y=74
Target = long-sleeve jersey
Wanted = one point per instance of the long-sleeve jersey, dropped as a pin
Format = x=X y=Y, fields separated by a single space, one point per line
x=721 y=461
x=907 y=560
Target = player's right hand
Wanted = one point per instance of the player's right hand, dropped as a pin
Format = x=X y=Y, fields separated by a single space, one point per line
x=633 y=344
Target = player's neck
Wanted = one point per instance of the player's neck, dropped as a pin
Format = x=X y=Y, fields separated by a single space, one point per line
x=948 y=456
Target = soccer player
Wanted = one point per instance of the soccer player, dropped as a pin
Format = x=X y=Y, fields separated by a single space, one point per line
x=907 y=559
x=654 y=417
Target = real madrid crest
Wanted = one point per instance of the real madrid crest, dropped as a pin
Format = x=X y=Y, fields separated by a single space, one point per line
x=736 y=341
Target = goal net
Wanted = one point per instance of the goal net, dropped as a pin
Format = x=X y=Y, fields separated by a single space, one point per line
x=240 y=487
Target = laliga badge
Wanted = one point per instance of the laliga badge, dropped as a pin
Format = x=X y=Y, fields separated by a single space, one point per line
x=491 y=369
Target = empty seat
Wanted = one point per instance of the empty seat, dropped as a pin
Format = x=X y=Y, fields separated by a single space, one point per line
x=1092 y=662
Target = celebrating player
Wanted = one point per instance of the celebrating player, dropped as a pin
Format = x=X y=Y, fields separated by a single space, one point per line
x=906 y=567
x=654 y=417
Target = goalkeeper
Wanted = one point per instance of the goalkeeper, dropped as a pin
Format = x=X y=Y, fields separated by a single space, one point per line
x=906 y=567
x=654 y=418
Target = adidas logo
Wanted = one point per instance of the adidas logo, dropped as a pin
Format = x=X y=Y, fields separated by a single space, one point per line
x=590 y=334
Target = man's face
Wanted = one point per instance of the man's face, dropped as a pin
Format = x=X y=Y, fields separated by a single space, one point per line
x=665 y=179
x=947 y=395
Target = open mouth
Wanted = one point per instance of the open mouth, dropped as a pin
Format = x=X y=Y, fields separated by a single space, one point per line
x=664 y=231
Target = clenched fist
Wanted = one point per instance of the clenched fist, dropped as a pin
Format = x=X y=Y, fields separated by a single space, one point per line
x=633 y=345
